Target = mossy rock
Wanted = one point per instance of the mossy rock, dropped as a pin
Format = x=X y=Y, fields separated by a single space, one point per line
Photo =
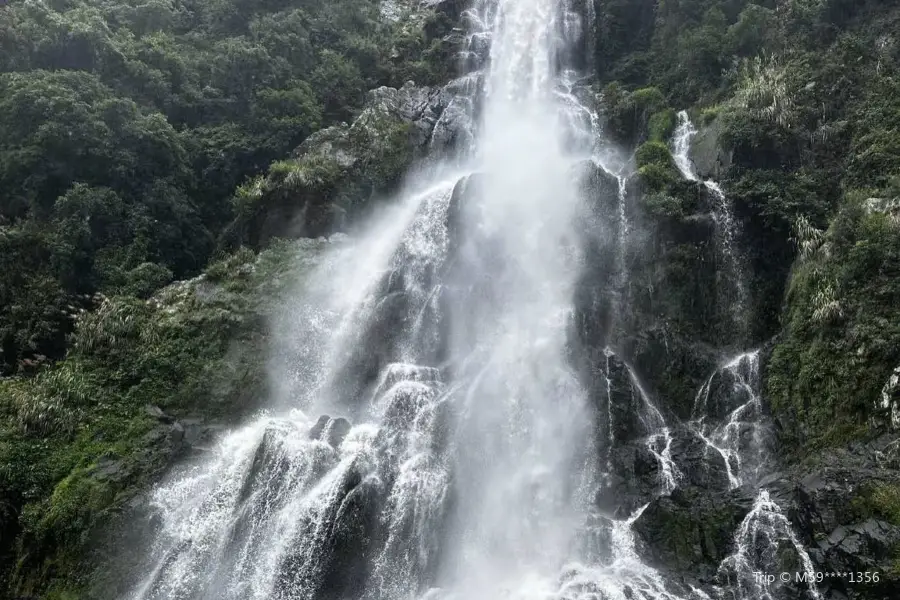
x=83 y=436
x=691 y=530
x=654 y=153
x=629 y=114
x=334 y=174
x=661 y=205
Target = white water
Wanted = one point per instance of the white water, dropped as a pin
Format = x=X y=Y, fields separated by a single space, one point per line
x=738 y=437
x=764 y=537
x=440 y=331
x=728 y=416
x=731 y=277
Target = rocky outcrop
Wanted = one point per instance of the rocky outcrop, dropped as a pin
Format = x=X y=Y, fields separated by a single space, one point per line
x=330 y=430
x=692 y=530
x=335 y=172
x=161 y=378
x=708 y=153
x=419 y=107
x=843 y=507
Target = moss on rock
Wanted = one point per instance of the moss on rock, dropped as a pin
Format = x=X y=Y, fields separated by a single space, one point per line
x=662 y=125
x=81 y=437
x=335 y=171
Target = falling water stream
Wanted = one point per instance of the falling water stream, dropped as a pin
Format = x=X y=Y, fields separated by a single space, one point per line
x=734 y=426
x=459 y=457
x=732 y=279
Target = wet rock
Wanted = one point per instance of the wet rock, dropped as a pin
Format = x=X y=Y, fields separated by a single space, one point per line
x=331 y=144
x=454 y=129
x=405 y=402
x=315 y=433
x=858 y=547
x=337 y=169
x=398 y=372
x=109 y=469
x=886 y=414
x=625 y=403
x=270 y=471
x=700 y=465
x=710 y=157
x=845 y=507
x=599 y=187
x=197 y=431
x=332 y=431
x=349 y=546
x=667 y=360
x=375 y=347
x=336 y=431
x=177 y=434
x=322 y=561
x=691 y=530
x=634 y=479
x=462 y=205
x=393 y=282
x=419 y=106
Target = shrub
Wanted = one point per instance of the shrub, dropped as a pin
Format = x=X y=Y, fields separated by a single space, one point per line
x=662 y=125
x=653 y=153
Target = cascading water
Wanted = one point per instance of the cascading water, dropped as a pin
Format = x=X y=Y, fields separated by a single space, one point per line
x=732 y=278
x=466 y=461
x=728 y=416
x=736 y=430
x=761 y=543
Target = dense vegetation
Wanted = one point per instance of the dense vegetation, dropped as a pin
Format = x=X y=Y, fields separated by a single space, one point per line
x=80 y=437
x=125 y=126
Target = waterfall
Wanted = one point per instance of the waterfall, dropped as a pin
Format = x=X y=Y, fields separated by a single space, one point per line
x=731 y=277
x=728 y=416
x=736 y=430
x=431 y=437
x=764 y=537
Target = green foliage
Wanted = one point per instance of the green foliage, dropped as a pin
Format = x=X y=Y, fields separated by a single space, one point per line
x=841 y=338
x=653 y=152
x=656 y=166
x=662 y=205
x=662 y=125
x=91 y=136
x=754 y=30
x=806 y=111
x=363 y=160
x=629 y=114
x=709 y=114
x=648 y=99
x=880 y=501
x=125 y=126
x=76 y=441
x=124 y=129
